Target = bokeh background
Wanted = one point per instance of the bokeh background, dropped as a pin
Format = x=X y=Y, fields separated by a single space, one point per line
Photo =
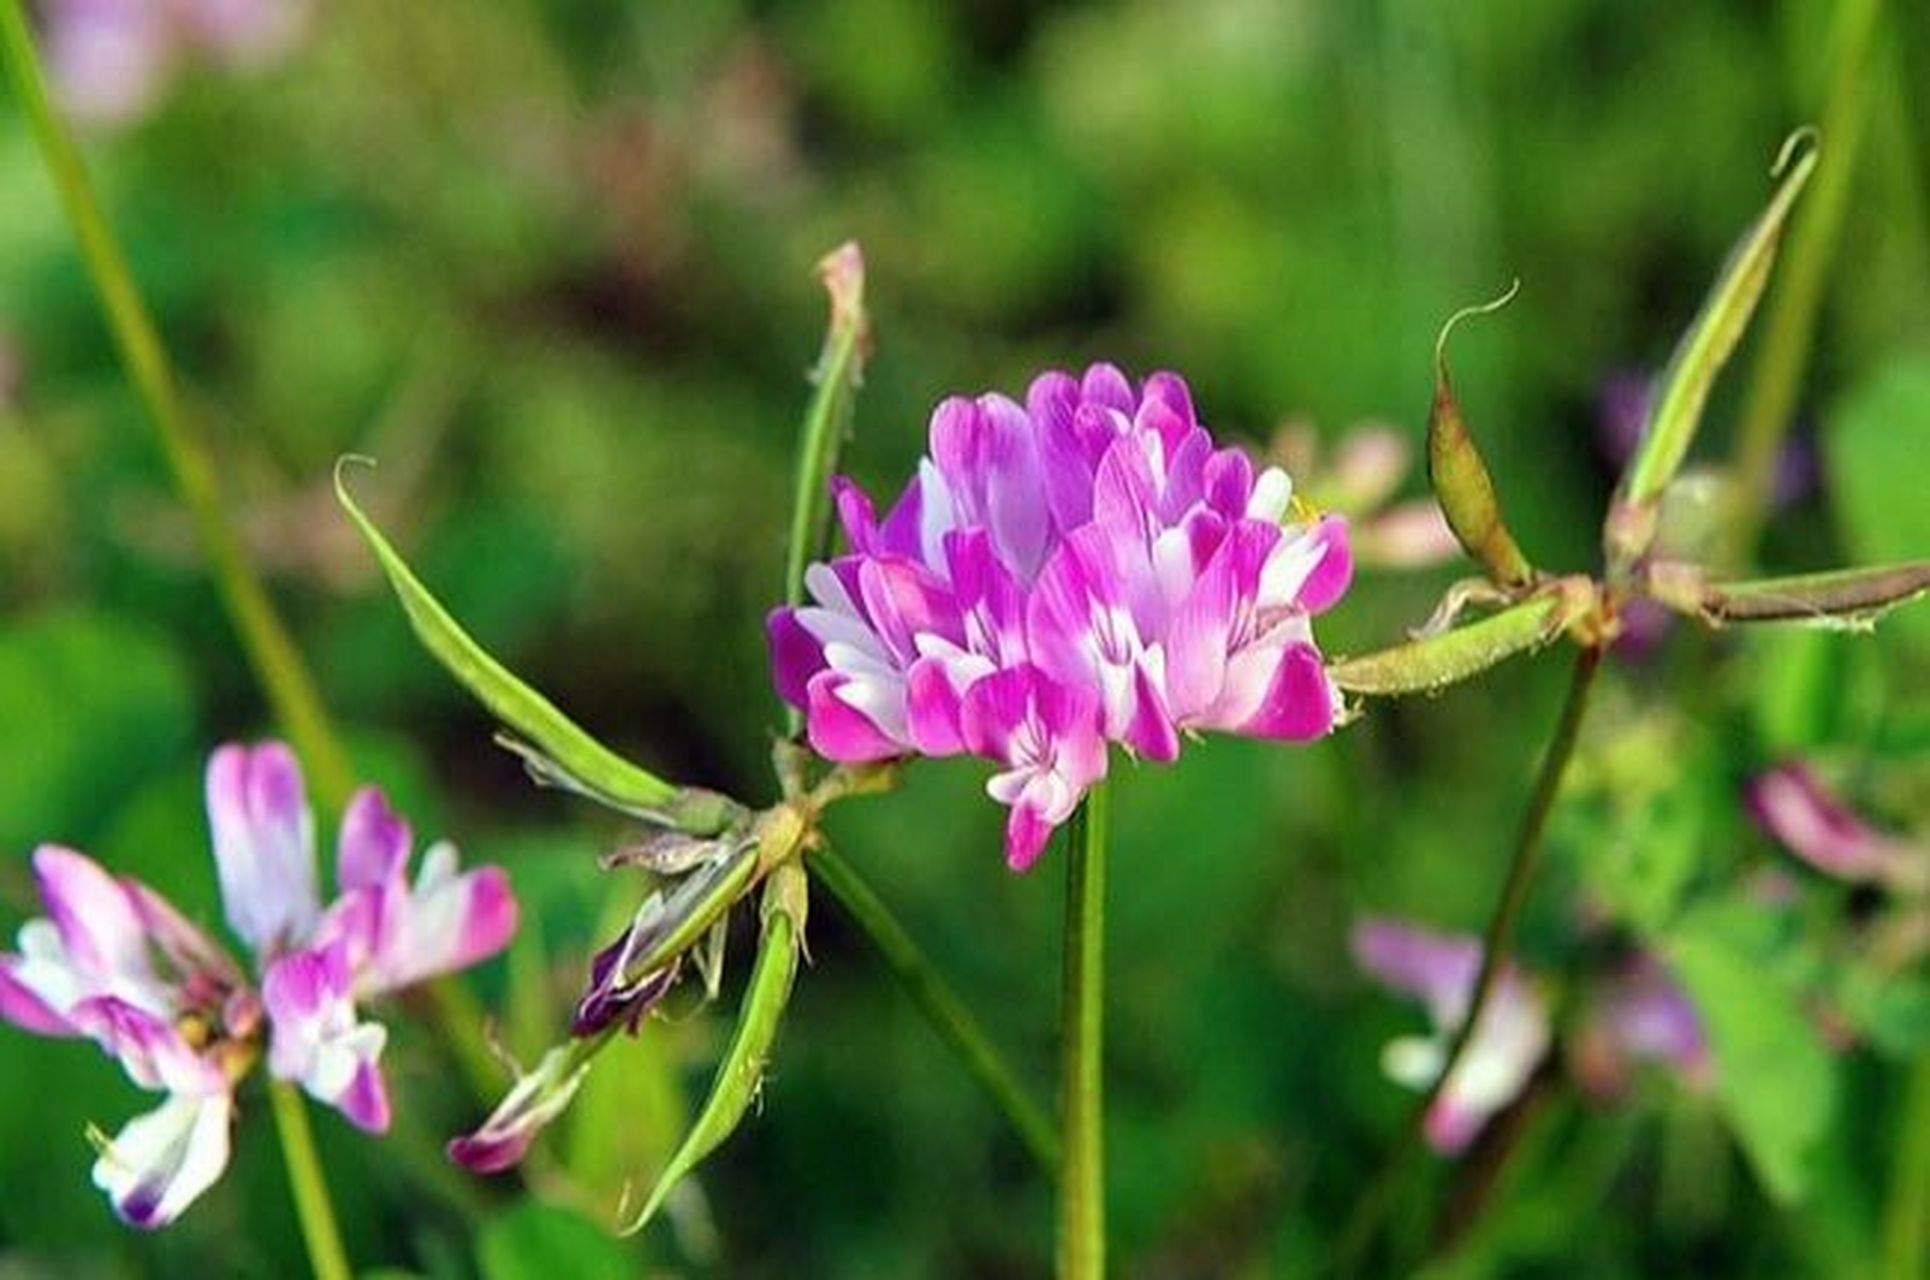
x=550 y=262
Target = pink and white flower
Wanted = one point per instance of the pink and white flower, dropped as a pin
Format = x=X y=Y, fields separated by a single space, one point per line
x=1508 y=1045
x=1123 y=579
x=1791 y=804
x=114 y=962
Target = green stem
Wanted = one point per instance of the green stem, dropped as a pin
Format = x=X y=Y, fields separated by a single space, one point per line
x=1082 y=1180
x=1497 y=943
x=264 y=638
x=271 y=651
x=948 y=1014
x=319 y=1232
x=1906 y=1215
x=1789 y=329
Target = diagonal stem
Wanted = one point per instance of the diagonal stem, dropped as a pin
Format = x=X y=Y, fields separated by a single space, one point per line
x=948 y=1014
x=1082 y=1178
x=271 y=651
x=1497 y=942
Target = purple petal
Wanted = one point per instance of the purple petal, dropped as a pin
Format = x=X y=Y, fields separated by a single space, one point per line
x=932 y=707
x=838 y=730
x=316 y=1038
x=1150 y=733
x=24 y=1008
x=161 y=1162
x=796 y=656
x=1026 y=833
x=1791 y=805
x=1335 y=572
x=1438 y=969
x=446 y=922
x=373 y=847
x=151 y=1050
x=108 y=59
x=100 y=929
x=264 y=844
x=1105 y=385
x=532 y=1103
x=1299 y=704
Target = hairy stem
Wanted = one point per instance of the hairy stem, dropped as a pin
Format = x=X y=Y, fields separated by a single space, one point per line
x=1789 y=329
x=305 y=1181
x=1082 y=1181
x=948 y=1014
x=1497 y=943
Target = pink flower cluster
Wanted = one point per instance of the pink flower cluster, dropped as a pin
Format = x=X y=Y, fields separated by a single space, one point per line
x=115 y=963
x=1081 y=569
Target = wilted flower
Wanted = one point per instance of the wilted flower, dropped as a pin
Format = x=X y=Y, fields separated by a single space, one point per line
x=1791 y=805
x=115 y=963
x=111 y=59
x=1122 y=579
x=1508 y=1045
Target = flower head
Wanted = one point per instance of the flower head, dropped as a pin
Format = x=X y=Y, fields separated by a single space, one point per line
x=115 y=963
x=1085 y=568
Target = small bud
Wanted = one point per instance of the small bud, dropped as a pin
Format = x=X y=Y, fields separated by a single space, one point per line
x=1675 y=408
x=536 y=1099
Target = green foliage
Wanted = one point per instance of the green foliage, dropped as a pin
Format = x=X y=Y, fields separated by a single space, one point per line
x=1775 y=1081
x=1879 y=435
x=536 y=1241
x=93 y=705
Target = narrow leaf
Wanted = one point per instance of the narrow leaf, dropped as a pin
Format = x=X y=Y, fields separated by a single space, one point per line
x=1459 y=476
x=1431 y=664
x=741 y=1072
x=1847 y=599
x=840 y=370
x=579 y=757
x=1675 y=410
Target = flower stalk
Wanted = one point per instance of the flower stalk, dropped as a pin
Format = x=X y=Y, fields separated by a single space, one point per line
x=1082 y=1182
x=948 y=1015
x=320 y=1233
x=1497 y=945
x=265 y=639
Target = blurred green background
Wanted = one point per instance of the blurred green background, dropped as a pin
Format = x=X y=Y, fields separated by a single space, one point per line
x=550 y=262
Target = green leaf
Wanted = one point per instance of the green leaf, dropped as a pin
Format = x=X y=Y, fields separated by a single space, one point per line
x=839 y=373
x=1431 y=664
x=1876 y=440
x=1775 y=1081
x=579 y=761
x=1460 y=477
x=536 y=1241
x=741 y=1072
x=1681 y=394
